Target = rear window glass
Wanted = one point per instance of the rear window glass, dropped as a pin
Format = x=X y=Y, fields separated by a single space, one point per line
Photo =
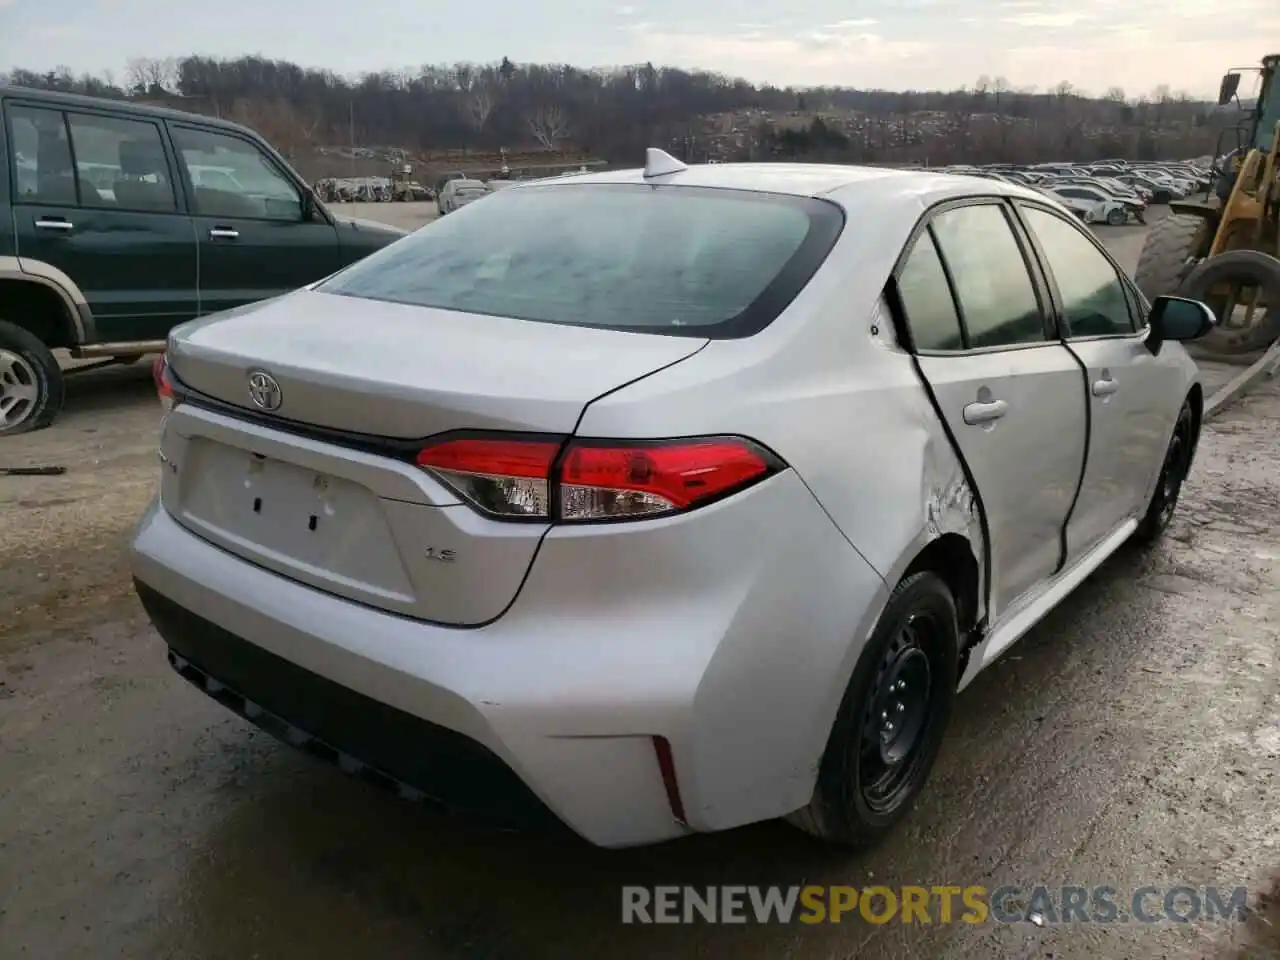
x=666 y=259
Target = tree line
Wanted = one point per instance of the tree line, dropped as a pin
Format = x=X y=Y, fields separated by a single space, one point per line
x=614 y=113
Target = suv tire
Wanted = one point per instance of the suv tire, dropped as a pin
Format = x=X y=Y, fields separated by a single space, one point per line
x=29 y=370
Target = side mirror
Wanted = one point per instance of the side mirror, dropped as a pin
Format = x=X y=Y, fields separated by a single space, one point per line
x=1227 y=90
x=1177 y=318
x=308 y=204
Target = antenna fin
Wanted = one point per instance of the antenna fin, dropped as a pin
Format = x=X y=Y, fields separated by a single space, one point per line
x=659 y=163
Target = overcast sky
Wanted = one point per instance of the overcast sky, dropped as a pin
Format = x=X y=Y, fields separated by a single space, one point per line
x=891 y=44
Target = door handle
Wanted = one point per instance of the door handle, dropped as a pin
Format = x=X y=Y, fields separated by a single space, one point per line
x=987 y=412
x=1105 y=387
x=63 y=225
x=223 y=233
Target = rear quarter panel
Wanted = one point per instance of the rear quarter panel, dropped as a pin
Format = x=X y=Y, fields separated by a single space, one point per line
x=827 y=387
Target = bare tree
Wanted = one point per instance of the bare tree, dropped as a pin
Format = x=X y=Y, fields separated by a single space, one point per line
x=1001 y=87
x=549 y=125
x=152 y=77
x=477 y=107
x=980 y=89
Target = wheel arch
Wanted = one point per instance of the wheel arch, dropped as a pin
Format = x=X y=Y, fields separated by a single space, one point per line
x=954 y=558
x=55 y=292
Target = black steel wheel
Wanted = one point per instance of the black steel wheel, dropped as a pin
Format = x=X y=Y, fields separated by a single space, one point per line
x=892 y=719
x=1173 y=471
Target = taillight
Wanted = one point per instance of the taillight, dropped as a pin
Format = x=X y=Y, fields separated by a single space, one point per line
x=592 y=480
x=164 y=381
x=507 y=478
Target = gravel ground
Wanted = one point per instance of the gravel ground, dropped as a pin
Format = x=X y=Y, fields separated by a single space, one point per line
x=1133 y=738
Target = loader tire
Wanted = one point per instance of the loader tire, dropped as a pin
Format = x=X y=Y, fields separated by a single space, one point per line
x=1163 y=261
x=1252 y=267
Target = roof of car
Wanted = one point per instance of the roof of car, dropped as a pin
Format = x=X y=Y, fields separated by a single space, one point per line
x=838 y=182
x=128 y=107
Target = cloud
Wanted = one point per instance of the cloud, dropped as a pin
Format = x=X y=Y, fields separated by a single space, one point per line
x=841 y=25
x=1048 y=21
x=842 y=52
x=907 y=44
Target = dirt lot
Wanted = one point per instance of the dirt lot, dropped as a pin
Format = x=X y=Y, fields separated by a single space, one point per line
x=406 y=216
x=1133 y=738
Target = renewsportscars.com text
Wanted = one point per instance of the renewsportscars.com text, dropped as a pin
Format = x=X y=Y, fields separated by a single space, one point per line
x=1040 y=905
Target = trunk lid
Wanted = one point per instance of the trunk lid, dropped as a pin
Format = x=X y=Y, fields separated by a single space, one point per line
x=372 y=528
x=395 y=370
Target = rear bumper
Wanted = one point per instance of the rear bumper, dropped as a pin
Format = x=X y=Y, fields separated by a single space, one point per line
x=736 y=651
x=420 y=760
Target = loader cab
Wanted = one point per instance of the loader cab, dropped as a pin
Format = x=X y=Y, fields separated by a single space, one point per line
x=1268 y=112
x=1265 y=112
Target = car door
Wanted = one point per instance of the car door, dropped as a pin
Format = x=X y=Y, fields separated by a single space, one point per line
x=1131 y=396
x=129 y=247
x=1012 y=397
x=256 y=236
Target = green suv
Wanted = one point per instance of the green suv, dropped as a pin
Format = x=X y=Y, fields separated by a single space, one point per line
x=119 y=221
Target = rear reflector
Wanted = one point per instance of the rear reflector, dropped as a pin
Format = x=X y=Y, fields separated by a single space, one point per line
x=667 y=767
x=593 y=480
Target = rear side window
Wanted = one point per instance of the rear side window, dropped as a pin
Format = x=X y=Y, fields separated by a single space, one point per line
x=997 y=299
x=121 y=164
x=665 y=259
x=926 y=298
x=41 y=156
x=1094 y=300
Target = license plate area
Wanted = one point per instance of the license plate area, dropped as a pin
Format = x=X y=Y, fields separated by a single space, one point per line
x=299 y=521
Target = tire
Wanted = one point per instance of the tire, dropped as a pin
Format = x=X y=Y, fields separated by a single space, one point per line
x=916 y=640
x=1116 y=217
x=1174 y=470
x=1255 y=267
x=28 y=371
x=1162 y=263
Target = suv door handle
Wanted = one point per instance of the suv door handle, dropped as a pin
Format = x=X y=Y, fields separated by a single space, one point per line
x=1105 y=387
x=54 y=224
x=976 y=413
x=224 y=233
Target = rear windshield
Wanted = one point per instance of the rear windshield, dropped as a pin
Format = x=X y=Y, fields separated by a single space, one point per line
x=661 y=259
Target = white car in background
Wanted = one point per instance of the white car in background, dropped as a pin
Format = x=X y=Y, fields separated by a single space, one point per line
x=458 y=193
x=1091 y=205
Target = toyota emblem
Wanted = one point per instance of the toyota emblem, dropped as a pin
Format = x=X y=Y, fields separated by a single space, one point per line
x=264 y=391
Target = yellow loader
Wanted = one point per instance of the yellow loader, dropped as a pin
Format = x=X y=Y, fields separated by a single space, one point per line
x=1224 y=249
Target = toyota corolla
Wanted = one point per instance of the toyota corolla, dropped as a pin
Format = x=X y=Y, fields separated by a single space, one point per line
x=662 y=501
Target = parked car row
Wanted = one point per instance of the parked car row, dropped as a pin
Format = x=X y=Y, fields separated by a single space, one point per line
x=1111 y=192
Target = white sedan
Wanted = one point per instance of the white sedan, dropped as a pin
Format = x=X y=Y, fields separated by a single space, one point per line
x=1092 y=206
x=663 y=501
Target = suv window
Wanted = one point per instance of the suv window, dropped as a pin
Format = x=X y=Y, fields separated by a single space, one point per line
x=42 y=156
x=926 y=298
x=998 y=303
x=1094 y=299
x=253 y=189
x=121 y=164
